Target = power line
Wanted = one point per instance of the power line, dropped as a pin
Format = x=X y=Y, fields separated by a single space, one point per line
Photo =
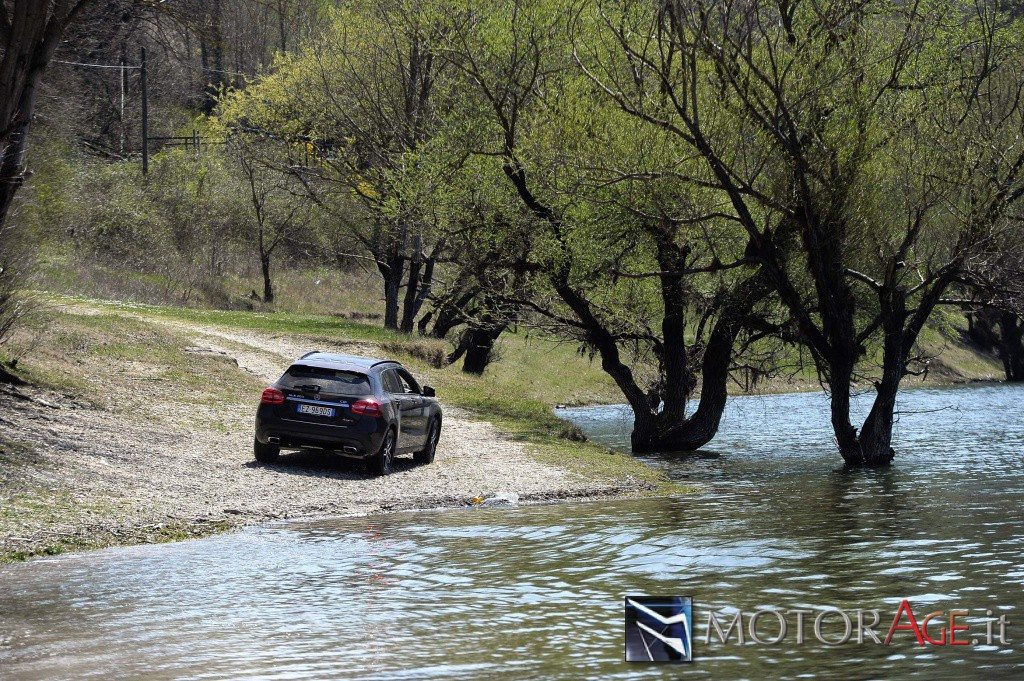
x=98 y=66
x=133 y=66
x=169 y=141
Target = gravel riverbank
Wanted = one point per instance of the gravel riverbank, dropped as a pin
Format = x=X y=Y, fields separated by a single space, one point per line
x=153 y=453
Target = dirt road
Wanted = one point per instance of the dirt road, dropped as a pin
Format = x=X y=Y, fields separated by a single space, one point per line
x=139 y=459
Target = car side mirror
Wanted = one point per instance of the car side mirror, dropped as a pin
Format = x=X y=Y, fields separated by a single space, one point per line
x=429 y=392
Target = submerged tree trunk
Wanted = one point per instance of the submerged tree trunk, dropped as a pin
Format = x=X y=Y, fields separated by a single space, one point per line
x=839 y=383
x=900 y=329
x=876 y=434
x=654 y=431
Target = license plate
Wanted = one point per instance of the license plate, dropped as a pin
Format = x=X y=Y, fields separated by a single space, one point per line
x=314 y=410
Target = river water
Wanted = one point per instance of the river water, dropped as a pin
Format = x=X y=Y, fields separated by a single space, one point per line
x=537 y=591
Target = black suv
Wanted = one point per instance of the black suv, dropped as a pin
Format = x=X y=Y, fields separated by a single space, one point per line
x=362 y=408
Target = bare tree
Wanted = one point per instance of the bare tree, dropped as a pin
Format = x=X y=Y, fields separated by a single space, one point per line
x=277 y=212
x=30 y=31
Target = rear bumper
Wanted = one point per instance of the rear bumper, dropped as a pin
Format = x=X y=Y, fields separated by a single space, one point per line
x=358 y=441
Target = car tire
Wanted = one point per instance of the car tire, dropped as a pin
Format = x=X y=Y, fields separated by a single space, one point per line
x=265 y=453
x=426 y=455
x=382 y=461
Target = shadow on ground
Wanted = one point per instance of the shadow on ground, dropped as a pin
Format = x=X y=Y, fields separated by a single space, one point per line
x=320 y=464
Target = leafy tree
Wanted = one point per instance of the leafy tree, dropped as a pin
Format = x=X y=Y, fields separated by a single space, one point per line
x=854 y=144
x=358 y=111
x=632 y=259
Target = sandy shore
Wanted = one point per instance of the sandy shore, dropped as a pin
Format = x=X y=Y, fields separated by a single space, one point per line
x=140 y=461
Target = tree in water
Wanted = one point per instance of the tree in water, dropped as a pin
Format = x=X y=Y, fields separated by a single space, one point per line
x=631 y=260
x=854 y=144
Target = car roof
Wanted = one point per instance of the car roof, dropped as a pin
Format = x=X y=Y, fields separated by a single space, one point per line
x=333 y=360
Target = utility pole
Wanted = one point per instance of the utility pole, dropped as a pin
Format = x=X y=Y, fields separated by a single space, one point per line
x=124 y=92
x=145 y=117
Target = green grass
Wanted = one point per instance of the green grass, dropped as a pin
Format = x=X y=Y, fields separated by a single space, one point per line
x=529 y=367
x=270 y=322
x=125 y=343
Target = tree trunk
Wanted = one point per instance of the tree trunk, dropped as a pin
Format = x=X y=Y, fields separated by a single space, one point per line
x=658 y=432
x=424 y=322
x=447 y=319
x=452 y=312
x=29 y=33
x=478 y=341
x=1011 y=346
x=213 y=57
x=412 y=289
x=426 y=285
x=839 y=380
x=12 y=170
x=282 y=32
x=391 y=271
x=480 y=348
x=999 y=331
x=12 y=174
x=679 y=379
x=876 y=434
x=268 y=285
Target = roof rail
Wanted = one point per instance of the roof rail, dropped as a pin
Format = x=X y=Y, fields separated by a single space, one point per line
x=385 y=361
x=311 y=352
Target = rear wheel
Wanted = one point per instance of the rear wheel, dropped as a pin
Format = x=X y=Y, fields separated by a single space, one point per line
x=381 y=463
x=265 y=453
x=426 y=455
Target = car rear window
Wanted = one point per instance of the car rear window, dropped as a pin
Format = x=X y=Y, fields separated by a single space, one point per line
x=328 y=380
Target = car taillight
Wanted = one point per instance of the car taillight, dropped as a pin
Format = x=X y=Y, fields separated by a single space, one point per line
x=366 y=407
x=272 y=396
